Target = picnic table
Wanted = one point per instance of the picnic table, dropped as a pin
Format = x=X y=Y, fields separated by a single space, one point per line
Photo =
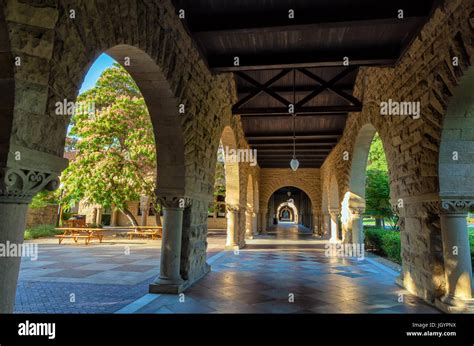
x=154 y=232
x=77 y=233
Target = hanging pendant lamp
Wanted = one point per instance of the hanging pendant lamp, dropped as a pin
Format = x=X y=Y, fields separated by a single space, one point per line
x=294 y=163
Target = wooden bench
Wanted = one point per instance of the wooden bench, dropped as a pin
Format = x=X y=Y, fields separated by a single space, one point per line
x=76 y=233
x=155 y=234
x=61 y=237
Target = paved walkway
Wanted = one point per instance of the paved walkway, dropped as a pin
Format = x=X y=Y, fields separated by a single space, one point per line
x=98 y=278
x=285 y=271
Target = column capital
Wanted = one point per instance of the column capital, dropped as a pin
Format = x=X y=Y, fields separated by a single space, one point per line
x=174 y=202
x=334 y=211
x=19 y=185
x=357 y=210
x=233 y=208
x=456 y=206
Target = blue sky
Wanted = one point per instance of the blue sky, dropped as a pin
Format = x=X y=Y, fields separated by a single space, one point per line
x=103 y=61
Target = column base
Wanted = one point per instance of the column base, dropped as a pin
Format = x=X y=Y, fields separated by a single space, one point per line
x=176 y=287
x=167 y=286
x=454 y=305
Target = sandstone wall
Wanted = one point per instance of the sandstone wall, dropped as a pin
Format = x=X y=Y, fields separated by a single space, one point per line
x=424 y=74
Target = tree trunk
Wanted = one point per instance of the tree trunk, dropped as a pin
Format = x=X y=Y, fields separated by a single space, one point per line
x=378 y=222
x=158 y=218
x=130 y=217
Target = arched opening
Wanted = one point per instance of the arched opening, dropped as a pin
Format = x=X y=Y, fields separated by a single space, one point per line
x=456 y=184
x=232 y=187
x=290 y=205
x=110 y=138
x=135 y=124
x=287 y=212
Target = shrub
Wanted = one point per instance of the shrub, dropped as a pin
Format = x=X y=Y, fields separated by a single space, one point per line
x=385 y=243
x=471 y=241
x=41 y=232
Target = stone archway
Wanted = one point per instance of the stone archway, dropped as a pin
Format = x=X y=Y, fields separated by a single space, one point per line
x=232 y=185
x=456 y=183
x=353 y=205
x=291 y=208
x=163 y=61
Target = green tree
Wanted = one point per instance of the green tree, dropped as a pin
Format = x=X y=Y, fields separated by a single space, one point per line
x=378 y=185
x=116 y=156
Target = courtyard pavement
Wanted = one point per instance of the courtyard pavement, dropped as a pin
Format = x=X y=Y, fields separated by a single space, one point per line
x=285 y=271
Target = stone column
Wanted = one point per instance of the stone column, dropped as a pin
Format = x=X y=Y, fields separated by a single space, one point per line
x=254 y=224
x=357 y=224
x=334 y=224
x=232 y=226
x=456 y=250
x=17 y=188
x=264 y=221
x=169 y=280
x=248 y=224
x=144 y=209
x=326 y=225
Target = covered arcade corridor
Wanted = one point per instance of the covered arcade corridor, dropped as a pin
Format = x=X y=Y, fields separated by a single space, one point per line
x=294 y=96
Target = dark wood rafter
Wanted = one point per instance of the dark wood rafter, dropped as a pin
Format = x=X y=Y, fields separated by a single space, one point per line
x=322 y=85
x=314 y=43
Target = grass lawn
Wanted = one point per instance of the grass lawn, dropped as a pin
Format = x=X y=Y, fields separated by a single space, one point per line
x=41 y=232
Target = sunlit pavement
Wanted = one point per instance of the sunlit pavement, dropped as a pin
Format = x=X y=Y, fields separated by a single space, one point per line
x=284 y=271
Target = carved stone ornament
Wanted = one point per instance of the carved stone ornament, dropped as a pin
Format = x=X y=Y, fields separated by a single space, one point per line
x=456 y=206
x=358 y=211
x=20 y=185
x=171 y=202
x=232 y=208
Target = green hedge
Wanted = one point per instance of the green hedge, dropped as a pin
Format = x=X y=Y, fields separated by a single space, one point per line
x=471 y=240
x=385 y=243
x=41 y=232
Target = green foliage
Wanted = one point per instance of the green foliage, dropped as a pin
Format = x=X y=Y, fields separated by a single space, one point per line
x=43 y=199
x=378 y=184
x=219 y=177
x=471 y=241
x=41 y=232
x=377 y=160
x=385 y=243
x=116 y=156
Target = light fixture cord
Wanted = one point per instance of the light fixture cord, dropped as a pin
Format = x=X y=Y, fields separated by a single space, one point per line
x=294 y=113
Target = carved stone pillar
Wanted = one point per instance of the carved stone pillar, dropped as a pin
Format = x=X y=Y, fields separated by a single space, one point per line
x=17 y=188
x=326 y=225
x=249 y=223
x=169 y=280
x=334 y=224
x=144 y=209
x=357 y=223
x=254 y=224
x=457 y=253
x=232 y=226
x=264 y=220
